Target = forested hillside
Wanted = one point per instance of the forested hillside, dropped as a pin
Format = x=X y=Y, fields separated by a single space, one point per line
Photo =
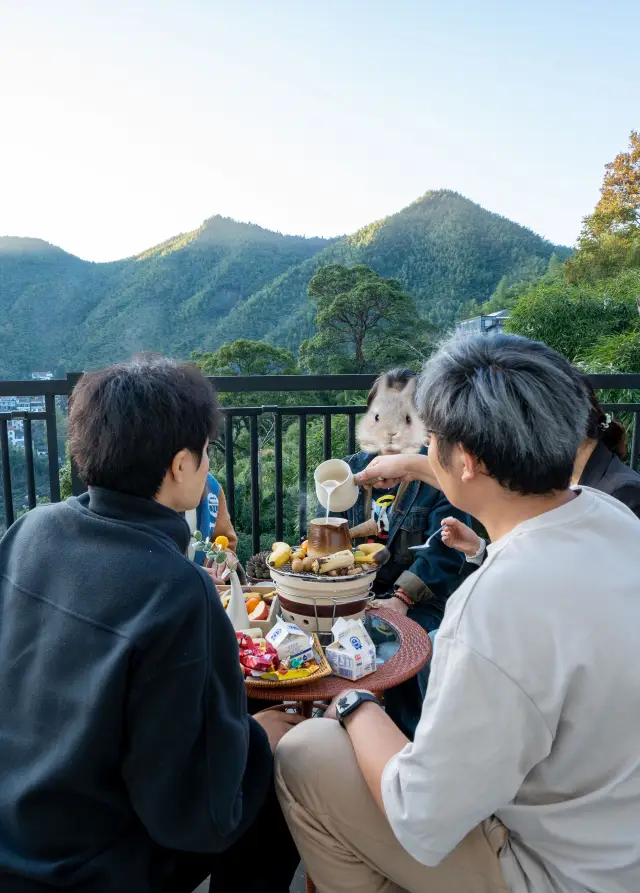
x=228 y=280
x=443 y=249
x=57 y=311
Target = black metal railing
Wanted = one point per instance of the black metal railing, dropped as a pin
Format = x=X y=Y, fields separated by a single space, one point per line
x=280 y=418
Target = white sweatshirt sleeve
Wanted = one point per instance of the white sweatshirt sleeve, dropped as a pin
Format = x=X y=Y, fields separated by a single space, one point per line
x=479 y=736
x=480 y=555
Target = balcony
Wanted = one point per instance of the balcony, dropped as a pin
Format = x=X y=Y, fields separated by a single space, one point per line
x=275 y=430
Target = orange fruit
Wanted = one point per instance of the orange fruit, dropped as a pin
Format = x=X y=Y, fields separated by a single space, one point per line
x=261 y=612
x=252 y=604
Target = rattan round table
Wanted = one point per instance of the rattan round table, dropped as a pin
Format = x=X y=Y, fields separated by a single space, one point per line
x=412 y=655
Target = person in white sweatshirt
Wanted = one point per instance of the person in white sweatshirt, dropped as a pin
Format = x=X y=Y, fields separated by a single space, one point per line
x=524 y=775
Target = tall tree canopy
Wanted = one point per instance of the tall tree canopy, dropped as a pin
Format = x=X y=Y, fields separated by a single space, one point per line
x=245 y=357
x=364 y=322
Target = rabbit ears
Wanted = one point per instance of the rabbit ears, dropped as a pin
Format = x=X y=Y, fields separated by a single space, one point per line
x=398 y=380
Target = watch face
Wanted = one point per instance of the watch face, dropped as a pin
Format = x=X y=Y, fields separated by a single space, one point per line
x=348 y=701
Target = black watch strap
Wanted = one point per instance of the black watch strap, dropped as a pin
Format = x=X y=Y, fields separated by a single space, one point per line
x=362 y=698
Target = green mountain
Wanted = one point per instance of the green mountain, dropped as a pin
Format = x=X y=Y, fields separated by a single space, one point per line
x=444 y=249
x=57 y=311
x=228 y=280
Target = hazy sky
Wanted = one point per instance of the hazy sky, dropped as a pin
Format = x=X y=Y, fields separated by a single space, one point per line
x=125 y=122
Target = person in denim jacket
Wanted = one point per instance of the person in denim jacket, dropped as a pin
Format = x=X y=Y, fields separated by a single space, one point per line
x=416 y=583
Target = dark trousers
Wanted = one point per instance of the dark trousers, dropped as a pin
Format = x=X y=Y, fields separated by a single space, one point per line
x=263 y=860
x=404 y=702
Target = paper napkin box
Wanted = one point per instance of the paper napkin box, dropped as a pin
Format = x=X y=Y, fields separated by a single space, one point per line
x=352 y=654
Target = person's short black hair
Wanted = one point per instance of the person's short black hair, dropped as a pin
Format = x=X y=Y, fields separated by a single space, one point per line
x=127 y=422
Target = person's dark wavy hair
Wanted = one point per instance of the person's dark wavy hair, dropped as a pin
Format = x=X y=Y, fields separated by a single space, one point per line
x=608 y=431
x=127 y=422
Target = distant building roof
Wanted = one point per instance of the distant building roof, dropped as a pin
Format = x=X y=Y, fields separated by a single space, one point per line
x=486 y=323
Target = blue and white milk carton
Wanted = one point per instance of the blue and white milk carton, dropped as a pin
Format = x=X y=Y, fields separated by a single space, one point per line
x=352 y=654
x=289 y=641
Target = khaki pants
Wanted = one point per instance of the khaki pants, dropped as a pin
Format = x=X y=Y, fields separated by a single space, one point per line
x=347 y=844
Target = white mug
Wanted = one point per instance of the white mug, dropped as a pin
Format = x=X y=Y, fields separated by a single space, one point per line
x=345 y=494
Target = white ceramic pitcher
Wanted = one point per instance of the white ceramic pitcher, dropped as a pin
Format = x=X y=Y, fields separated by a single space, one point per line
x=345 y=494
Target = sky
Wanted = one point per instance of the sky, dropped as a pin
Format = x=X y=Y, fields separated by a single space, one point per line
x=127 y=122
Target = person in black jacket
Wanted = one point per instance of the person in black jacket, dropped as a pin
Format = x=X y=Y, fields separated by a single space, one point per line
x=600 y=460
x=129 y=762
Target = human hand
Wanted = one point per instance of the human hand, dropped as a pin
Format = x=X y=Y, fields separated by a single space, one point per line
x=458 y=536
x=217 y=571
x=330 y=712
x=277 y=722
x=393 y=604
x=386 y=472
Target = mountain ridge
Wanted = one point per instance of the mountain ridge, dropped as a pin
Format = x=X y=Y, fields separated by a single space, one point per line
x=228 y=279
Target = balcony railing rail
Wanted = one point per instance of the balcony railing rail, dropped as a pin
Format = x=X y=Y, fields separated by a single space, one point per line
x=56 y=391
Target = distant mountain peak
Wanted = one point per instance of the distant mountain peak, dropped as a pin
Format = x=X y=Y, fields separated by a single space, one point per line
x=24 y=245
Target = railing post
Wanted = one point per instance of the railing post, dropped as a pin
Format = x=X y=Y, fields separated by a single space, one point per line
x=326 y=437
x=302 y=473
x=77 y=484
x=30 y=469
x=255 y=484
x=6 y=474
x=52 y=447
x=351 y=442
x=228 y=461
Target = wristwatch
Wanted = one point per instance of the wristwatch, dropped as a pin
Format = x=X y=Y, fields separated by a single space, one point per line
x=350 y=702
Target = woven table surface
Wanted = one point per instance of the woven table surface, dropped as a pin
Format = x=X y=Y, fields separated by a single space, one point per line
x=410 y=658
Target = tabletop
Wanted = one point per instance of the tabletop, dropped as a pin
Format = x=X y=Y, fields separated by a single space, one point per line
x=412 y=655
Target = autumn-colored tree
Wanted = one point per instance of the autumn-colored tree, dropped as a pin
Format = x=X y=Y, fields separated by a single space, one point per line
x=610 y=237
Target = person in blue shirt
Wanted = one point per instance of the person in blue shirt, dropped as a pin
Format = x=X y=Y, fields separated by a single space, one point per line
x=212 y=519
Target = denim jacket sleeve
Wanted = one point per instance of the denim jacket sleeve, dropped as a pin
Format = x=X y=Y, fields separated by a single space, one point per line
x=435 y=572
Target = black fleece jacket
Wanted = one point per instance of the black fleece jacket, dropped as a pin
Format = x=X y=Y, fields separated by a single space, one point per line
x=124 y=732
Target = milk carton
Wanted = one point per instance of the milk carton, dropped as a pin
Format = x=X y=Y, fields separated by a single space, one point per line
x=290 y=641
x=352 y=653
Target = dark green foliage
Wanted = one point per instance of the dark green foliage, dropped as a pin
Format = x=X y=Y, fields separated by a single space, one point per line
x=364 y=323
x=574 y=319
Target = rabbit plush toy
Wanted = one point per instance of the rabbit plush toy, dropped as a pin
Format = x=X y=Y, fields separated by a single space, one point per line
x=391 y=423
x=402 y=518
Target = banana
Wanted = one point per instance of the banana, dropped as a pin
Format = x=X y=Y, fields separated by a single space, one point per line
x=374 y=559
x=298 y=554
x=361 y=558
x=333 y=562
x=280 y=554
x=370 y=548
